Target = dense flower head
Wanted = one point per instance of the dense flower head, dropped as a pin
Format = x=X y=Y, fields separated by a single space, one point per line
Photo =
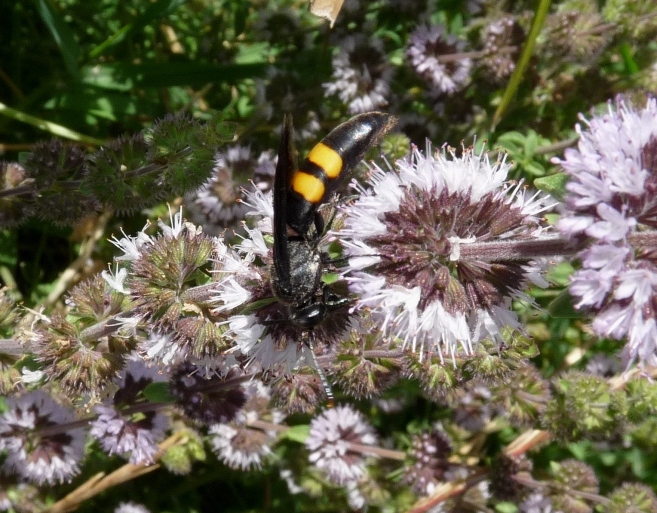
x=40 y=447
x=239 y=443
x=206 y=394
x=331 y=434
x=132 y=433
x=503 y=483
x=502 y=39
x=577 y=476
x=74 y=349
x=473 y=406
x=268 y=336
x=218 y=203
x=429 y=460
x=299 y=391
x=135 y=440
x=50 y=162
x=577 y=34
x=167 y=281
x=431 y=249
x=368 y=363
x=612 y=202
x=12 y=210
x=361 y=74
x=430 y=50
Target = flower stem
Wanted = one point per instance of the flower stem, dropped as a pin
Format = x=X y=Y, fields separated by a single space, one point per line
x=519 y=250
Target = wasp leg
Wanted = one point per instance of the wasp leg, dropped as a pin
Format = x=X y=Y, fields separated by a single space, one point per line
x=330 y=399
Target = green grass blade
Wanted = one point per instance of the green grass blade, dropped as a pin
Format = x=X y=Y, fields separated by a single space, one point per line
x=60 y=32
x=48 y=126
x=516 y=77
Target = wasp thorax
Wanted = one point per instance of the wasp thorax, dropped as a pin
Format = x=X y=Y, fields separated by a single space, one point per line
x=304 y=274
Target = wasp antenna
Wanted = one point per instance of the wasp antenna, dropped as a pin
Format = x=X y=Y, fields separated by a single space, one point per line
x=330 y=399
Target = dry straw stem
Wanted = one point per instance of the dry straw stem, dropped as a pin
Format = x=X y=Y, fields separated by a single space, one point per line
x=100 y=482
x=447 y=491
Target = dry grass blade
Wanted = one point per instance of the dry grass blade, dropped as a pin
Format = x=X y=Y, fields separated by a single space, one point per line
x=99 y=482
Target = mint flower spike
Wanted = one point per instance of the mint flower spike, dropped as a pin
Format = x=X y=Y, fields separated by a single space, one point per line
x=361 y=74
x=42 y=442
x=612 y=205
x=330 y=440
x=439 y=249
x=130 y=426
x=428 y=47
x=245 y=442
x=219 y=204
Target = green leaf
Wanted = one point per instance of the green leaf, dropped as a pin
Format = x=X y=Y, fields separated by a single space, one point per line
x=60 y=32
x=110 y=105
x=330 y=278
x=554 y=185
x=512 y=138
x=159 y=393
x=297 y=433
x=8 y=248
x=506 y=507
x=534 y=169
x=257 y=305
x=628 y=59
x=530 y=143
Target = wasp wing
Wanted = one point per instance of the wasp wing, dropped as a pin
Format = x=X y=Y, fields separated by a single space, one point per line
x=285 y=168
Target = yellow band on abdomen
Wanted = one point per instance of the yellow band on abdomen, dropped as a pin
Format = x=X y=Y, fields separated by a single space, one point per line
x=310 y=187
x=327 y=158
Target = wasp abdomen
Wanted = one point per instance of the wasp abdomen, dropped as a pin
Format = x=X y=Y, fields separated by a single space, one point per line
x=328 y=166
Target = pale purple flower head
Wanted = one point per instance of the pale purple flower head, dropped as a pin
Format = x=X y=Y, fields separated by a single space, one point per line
x=361 y=74
x=132 y=434
x=428 y=461
x=134 y=440
x=428 y=247
x=39 y=445
x=612 y=203
x=208 y=394
x=240 y=444
x=537 y=502
x=266 y=336
x=502 y=40
x=219 y=202
x=430 y=50
x=331 y=434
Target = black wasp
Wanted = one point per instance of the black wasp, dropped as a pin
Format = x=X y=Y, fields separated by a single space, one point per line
x=299 y=226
